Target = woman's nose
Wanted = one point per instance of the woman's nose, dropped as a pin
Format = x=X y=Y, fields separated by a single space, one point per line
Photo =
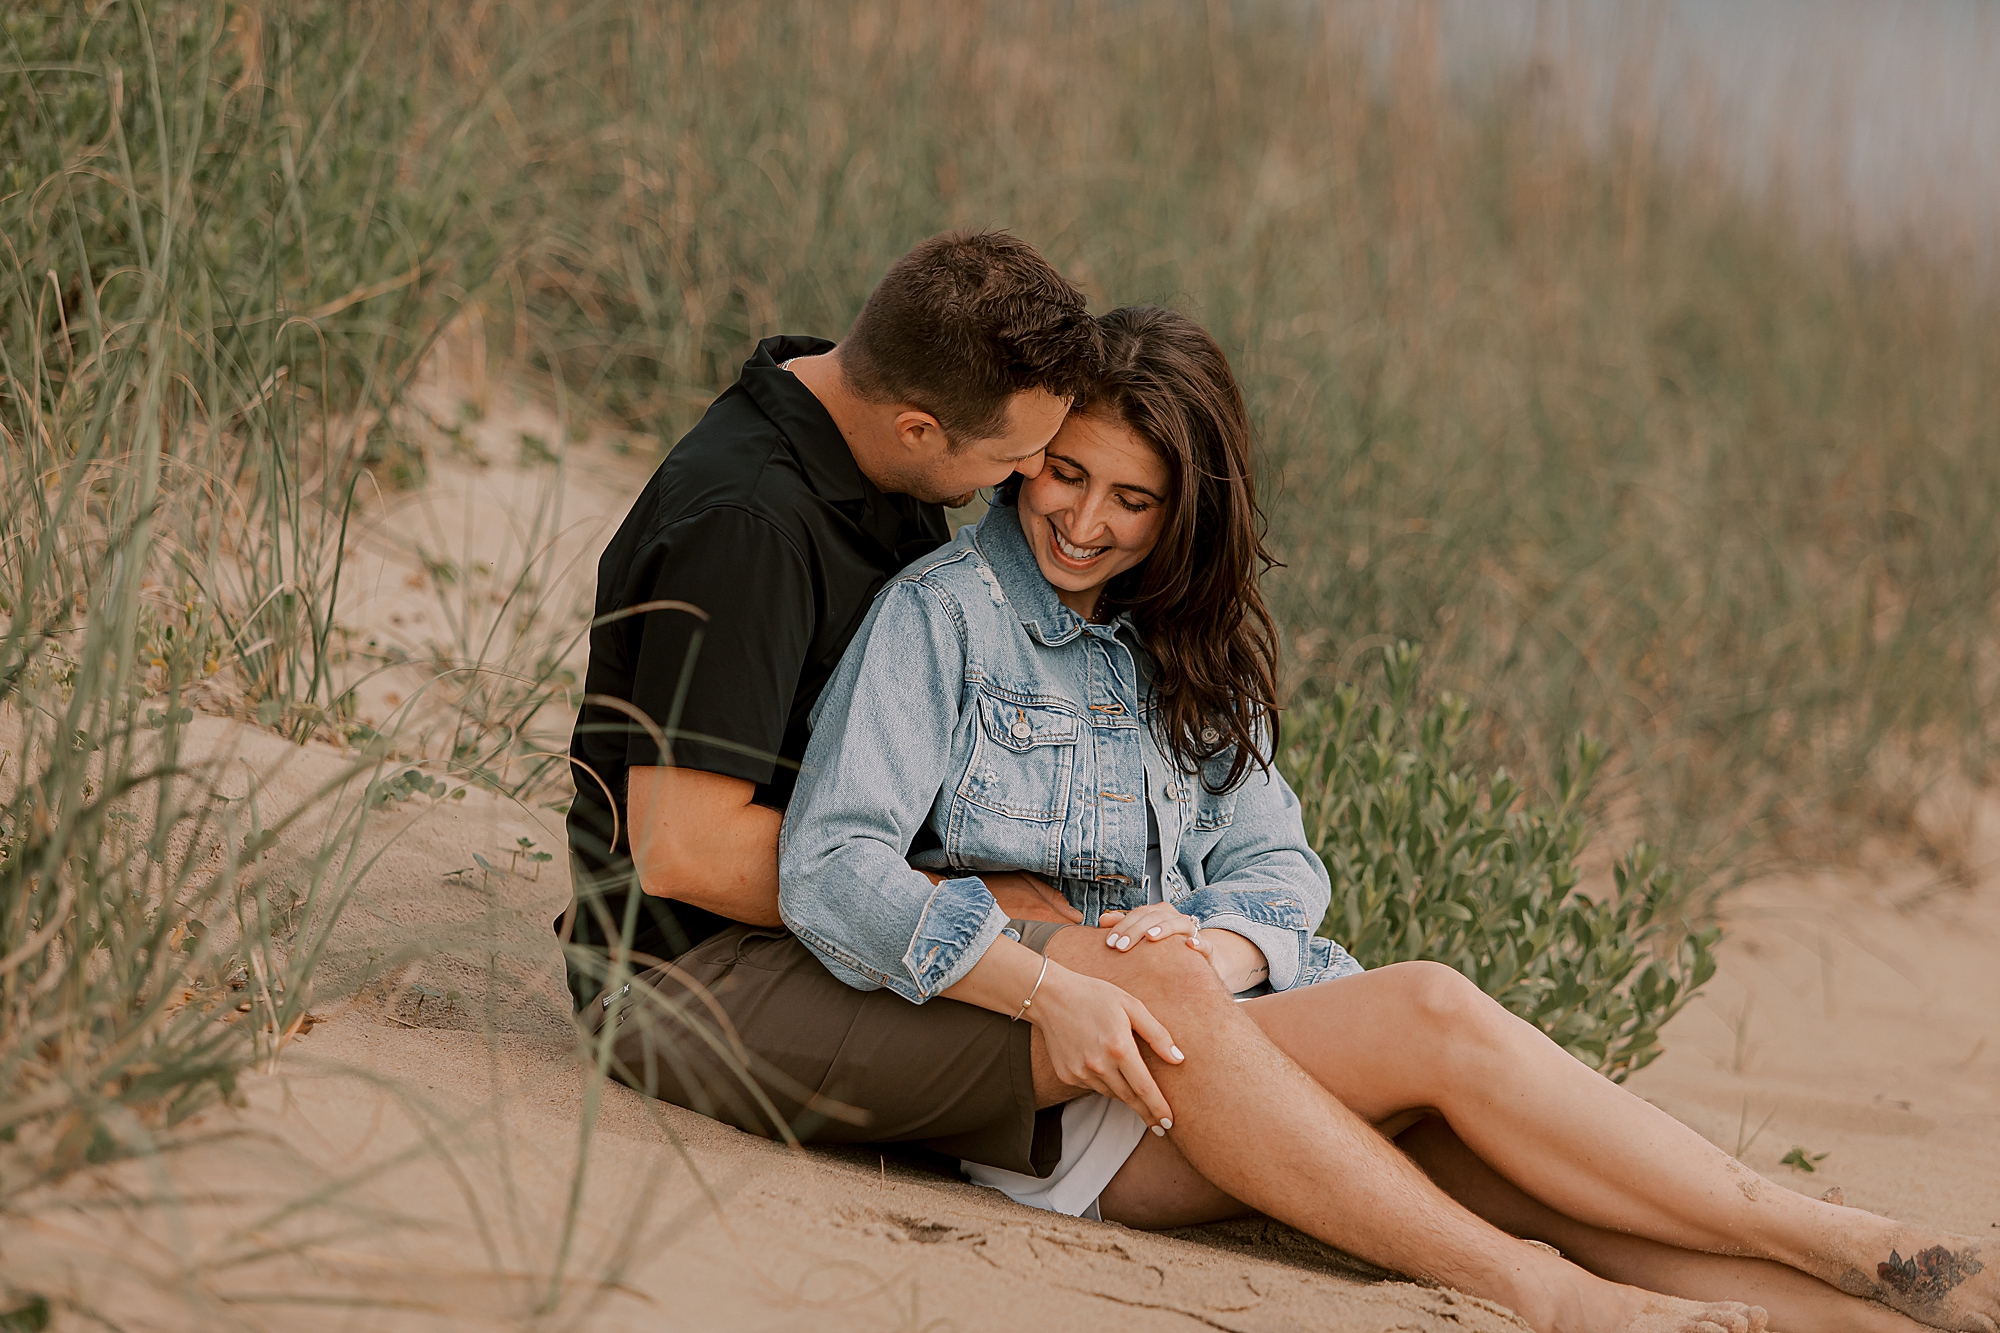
x=1088 y=521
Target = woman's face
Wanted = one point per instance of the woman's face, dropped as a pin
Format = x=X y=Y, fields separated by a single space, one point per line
x=1095 y=509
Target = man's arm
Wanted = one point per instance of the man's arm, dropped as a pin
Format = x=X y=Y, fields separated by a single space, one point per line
x=698 y=838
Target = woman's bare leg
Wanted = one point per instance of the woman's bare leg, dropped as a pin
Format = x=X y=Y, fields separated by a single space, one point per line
x=1796 y=1303
x=1158 y=1189
x=1251 y=1120
x=1420 y=1035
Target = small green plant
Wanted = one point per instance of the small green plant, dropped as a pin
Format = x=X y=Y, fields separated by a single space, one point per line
x=450 y=998
x=1429 y=862
x=1801 y=1160
x=535 y=451
x=409 y=783
x=524 y=848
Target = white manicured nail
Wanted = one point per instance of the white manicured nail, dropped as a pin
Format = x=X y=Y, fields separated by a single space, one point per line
x=1166 y=1125
x=1159 y=1133
x=1177 y=1054
x=1111 y=940
x=1153 y=934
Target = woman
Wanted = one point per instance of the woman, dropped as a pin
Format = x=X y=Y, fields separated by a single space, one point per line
x=1084 y=687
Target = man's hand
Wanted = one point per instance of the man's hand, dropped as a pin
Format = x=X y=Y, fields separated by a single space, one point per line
x=1026 y=897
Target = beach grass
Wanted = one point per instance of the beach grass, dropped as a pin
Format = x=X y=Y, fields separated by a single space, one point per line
x=1628 y=452
x=202 y=351
x=1631 y=453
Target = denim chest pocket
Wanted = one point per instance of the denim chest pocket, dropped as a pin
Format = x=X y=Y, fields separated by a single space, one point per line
x=1023 y=755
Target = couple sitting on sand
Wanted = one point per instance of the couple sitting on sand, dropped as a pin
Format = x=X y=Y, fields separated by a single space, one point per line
x=887 y=836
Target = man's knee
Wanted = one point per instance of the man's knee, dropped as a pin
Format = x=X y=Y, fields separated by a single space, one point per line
x=1164 y=971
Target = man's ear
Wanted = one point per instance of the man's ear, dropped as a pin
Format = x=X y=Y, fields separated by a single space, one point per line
x=920 y=434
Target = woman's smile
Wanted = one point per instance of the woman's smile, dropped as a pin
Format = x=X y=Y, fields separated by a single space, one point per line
x=1069 y=552
x=1105 y=484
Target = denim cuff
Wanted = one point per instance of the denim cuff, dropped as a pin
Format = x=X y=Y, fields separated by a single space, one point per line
x=1271 y=919
x=1280 y=946
x=959 y=923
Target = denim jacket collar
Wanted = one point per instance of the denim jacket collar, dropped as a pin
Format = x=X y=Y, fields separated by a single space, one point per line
x=1030 y=595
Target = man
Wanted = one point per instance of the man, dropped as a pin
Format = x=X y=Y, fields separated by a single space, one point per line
x=724 y=602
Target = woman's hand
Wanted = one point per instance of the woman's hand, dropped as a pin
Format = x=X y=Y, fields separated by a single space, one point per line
x=1154 y=921
x=1239 y=963
x=1088 y=1028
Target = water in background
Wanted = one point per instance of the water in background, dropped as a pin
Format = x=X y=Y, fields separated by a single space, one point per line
x=1884 y=116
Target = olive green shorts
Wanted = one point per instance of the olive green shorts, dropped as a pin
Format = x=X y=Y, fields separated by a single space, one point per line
x=749 y=1028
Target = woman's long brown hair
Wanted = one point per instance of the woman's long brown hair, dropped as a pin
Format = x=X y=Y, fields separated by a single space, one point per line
x=1195 y=598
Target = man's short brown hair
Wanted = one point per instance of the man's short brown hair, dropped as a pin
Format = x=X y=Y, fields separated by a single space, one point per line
x=965 y=321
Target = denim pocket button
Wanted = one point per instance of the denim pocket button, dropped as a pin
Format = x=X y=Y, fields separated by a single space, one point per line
x=1023 y=754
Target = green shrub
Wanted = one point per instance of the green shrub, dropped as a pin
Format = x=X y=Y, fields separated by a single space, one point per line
x=1428 y=862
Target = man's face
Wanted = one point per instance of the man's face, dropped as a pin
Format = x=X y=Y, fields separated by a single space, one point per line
x=942 y=474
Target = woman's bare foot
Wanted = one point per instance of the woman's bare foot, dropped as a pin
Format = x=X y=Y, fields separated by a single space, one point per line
x=1572 y=1301
x=1946 y=1281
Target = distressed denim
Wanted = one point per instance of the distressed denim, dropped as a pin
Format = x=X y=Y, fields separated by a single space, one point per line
x=976 y=723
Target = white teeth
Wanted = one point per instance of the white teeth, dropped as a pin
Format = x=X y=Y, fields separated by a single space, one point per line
x=1077 y=552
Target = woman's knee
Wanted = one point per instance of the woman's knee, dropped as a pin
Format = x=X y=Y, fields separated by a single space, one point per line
x=1447 y=1003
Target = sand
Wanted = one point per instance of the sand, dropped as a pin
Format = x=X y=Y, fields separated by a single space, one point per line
x=418 y=1159
x=1857 y=1014
x=411 y=1163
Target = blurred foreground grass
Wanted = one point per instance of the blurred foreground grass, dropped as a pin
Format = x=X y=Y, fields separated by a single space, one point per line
x=1629 y=454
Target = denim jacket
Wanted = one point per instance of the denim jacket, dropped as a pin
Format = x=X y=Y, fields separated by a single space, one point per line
x=978 y=719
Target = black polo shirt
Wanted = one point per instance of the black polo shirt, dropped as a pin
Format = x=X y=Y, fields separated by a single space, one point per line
x=760 y=521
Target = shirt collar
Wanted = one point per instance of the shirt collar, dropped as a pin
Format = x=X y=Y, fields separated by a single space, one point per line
x=803 y=420
x=1028 y=592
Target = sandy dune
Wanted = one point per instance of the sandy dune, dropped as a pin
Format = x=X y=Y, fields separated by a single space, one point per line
x=1856 y=1015
x=411 y=1162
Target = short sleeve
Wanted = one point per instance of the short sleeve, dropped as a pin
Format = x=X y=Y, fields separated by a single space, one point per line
x=731 y=672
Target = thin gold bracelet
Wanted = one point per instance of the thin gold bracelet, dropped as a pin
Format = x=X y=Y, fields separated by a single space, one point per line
x=1031 y=994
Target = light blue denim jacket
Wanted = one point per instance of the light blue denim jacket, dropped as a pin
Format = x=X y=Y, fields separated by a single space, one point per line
x=972 y=701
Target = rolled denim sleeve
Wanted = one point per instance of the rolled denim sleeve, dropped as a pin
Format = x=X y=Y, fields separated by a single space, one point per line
x=1264 y=881
x=880 y=746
